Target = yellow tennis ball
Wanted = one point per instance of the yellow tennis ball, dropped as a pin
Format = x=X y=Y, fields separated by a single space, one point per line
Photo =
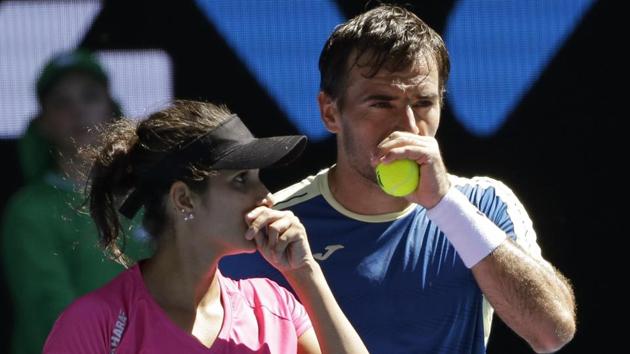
x=398 y=178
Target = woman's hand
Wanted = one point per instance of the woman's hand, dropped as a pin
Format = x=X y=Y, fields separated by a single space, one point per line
x=280 y=237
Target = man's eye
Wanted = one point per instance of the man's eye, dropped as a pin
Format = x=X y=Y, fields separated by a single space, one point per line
x=423 y=103
x=91 y=95
x=381 y=105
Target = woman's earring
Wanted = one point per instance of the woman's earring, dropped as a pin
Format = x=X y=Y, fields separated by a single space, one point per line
x=189 y=216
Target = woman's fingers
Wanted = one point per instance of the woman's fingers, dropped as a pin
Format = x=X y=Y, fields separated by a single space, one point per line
x=279 y=236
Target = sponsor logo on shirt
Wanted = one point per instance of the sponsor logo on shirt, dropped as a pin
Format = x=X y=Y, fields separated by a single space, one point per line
x=330 y=249
x=119 y=329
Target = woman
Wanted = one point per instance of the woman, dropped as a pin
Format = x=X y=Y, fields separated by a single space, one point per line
x=193 y=167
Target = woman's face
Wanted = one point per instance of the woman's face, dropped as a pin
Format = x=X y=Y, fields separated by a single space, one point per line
x=220 y=214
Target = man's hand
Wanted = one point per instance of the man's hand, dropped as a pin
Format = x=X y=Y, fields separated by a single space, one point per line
x=424 y=150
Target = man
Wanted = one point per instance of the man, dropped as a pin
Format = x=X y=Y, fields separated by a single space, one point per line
x=423 y=273
x=49 y=251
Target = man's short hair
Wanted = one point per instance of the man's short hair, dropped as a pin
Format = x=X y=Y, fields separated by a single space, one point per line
x=387 y=36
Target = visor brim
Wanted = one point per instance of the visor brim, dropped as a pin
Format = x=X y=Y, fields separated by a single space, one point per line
x=263 y=153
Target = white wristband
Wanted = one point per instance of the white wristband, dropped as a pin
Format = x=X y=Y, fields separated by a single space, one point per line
x=470 y=232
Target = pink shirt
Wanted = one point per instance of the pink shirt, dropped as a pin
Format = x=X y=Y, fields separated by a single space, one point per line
x=122 y=317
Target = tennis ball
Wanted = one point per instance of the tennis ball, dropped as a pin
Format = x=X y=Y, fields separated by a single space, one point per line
x=398 y=178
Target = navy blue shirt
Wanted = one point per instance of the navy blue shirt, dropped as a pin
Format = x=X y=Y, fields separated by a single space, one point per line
x=396 y=276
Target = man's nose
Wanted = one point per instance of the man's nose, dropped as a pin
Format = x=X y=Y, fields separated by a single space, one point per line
x=407 y=121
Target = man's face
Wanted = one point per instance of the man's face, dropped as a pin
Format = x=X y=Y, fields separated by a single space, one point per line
x=71 y=108
x=374 y=107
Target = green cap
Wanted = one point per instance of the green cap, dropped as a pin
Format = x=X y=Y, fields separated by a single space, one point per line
x=63 y=63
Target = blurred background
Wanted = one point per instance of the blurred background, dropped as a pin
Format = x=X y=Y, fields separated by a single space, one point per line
x=530 y=101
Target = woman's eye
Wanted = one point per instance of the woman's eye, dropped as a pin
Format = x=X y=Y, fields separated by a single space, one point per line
x=241 y=178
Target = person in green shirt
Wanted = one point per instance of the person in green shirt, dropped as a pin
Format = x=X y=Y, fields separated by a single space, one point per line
x=49 y=251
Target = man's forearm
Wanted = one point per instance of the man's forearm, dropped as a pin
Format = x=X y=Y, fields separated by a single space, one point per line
x=532 y=298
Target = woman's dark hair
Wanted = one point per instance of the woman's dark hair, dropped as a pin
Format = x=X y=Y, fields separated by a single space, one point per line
x=386 y=36
x=127 y=147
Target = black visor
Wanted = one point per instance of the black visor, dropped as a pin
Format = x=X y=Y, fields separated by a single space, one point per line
x=230 y=146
